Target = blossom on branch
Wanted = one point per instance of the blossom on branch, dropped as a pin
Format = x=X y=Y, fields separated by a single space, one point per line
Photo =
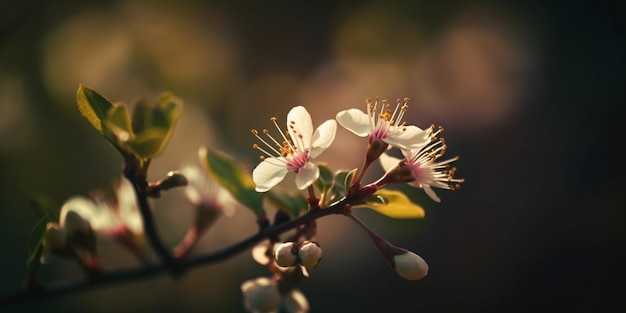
x=72 y=237
x=119 y=218
x=207 y=194
x=386 y=126
x=293 y=151
x=110 y=218
x=210 y=200
x=420 y=169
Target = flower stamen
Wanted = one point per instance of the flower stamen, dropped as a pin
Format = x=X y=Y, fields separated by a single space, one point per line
x=287 y=147
x=255 y=146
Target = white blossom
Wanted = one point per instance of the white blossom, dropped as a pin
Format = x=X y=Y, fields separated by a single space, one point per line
x=108 y=217
x=425 y=171
x=386 y=125
x=293 y=151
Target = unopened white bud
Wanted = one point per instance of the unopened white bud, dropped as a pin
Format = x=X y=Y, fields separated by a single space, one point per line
x=286 y=254
x=410 y=266
x=261 y=295
x=310 y=254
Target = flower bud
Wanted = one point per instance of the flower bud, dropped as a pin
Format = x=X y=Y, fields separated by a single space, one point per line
x=286 y=254
x=410 y=266
x=261 y=295
x=310 y=254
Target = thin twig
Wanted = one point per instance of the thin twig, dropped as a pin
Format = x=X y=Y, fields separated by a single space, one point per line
x=137 y=177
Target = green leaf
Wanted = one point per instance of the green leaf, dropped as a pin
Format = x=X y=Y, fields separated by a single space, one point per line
x=46 y=208
x=116 y=127
x=149 y=130
x=325 y=181
x=394 y=204
x=141 y=115
x=166 y=111
x=42 y=205
x=35 y=240
x=231 y=176
x=92 y=106
x=290 y=204
x=347 y=181
x=148 y=143
x=341 y=183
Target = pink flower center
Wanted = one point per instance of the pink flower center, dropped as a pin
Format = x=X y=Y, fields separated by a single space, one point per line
x=381 y=132
x=420 y=174
x=298 y=161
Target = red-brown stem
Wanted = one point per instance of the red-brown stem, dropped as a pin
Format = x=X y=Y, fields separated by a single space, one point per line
x=137 y=175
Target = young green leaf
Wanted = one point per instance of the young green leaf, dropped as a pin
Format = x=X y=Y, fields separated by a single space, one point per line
x=325 y=180
x=341 y=182
x=35 y=243
x=394 y=204
x=231 y=176
x=167 y=109
x=92 y=106
x=147 y=144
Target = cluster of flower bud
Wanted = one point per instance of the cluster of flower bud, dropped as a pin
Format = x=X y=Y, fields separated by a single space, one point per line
x=308 y=254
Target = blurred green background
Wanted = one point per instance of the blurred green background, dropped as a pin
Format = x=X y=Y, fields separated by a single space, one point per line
x=530 y=94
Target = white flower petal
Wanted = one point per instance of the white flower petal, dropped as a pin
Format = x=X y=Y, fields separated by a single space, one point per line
x=431 y=193
x=300 y=119
x=323 y=137
x=203 y=191
x=228 y=204
x=195 y=184
x=388 y=162
x=412 y=137
x=127 y=207
x=355 y=121
x=269 y=173
x=307 y=175
x=99 y=219
x=296 y=302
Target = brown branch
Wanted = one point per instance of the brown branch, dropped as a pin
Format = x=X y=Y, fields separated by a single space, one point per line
x=133 y=274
